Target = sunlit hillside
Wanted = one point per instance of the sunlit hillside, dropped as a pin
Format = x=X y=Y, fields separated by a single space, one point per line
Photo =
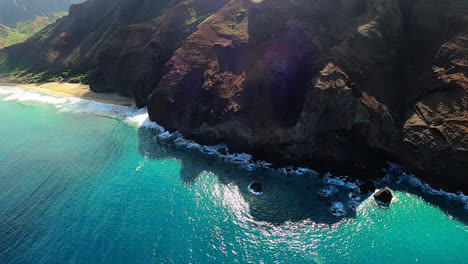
x=20 y=19
x=23 y=30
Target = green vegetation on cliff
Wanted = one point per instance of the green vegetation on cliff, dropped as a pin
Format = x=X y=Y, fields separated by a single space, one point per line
x=23 y=30
x=23 y=74
x=13 y=12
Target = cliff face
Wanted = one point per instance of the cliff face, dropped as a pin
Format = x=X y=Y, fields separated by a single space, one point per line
x=132 y=60
x=340 y=85
x=337 y=85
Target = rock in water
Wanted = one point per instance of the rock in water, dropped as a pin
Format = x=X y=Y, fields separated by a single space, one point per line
x=328 y=191
x=256 y=188
x=367 y=187
x=353 y=205
x=337 y=209
x=383 y=197
x=354 y=196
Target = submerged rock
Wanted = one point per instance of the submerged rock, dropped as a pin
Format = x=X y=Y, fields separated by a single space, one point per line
x=256 y=188
x=367 y=187
x=354 y=196
x=383 y=197
x=327 y=191
x=353 y=205
x=337 y=209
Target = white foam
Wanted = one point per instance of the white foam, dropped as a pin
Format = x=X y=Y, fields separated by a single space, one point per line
x=36 y=97
x=296 y=170
x=133 y=116
x=10 y=90
x=398 y=174
x=73 y=104
x=139 y=118
x=340 y=181
x=353 y=205
x=337 y=209
x=222 y=151
x=328 y=191
x=251 y=190
x=354 y=196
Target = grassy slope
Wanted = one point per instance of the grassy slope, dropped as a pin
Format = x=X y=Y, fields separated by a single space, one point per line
x=23 y=30
x=20 y=73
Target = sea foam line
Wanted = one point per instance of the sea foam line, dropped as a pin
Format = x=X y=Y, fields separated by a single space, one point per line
x=139 y=118
x=396 y=173
x=132 y=116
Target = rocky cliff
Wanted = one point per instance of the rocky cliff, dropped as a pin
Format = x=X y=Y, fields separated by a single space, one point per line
x=340 y=85
x=336 y=85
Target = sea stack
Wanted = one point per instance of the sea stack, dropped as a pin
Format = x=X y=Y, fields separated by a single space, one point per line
x=256 y=188
x=383 y=197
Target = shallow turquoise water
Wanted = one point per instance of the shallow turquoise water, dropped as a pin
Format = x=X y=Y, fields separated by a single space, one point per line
x=81 y=188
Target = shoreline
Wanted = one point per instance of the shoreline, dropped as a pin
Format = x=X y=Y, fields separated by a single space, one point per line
x=74 y=90
x=244 y=160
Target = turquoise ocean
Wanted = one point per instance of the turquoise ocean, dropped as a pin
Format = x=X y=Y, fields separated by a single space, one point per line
x=85 y=182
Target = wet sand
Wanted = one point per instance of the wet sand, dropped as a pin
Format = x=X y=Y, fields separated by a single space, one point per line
x=75 y=90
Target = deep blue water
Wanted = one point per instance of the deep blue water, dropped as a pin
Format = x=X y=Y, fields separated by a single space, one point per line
x=76 y=187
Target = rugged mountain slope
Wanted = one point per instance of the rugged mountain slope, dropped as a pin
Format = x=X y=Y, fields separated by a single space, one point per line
x=25 y=29
x=124 y=42
x=14 y=11
x=132 y=60
x=20 y=19
x=341 y=85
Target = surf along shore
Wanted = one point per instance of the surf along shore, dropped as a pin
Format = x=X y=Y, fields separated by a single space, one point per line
x=61 y=89
x=74 y=90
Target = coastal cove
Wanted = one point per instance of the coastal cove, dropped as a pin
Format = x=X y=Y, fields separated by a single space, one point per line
x=90 y=182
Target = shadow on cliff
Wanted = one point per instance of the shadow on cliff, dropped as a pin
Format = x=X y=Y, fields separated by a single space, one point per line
x=285 y=197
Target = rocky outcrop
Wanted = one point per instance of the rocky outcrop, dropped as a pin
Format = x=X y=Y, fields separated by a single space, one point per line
x=256 y=188
x=327 y=84
x=383 y=197
x=436 y=131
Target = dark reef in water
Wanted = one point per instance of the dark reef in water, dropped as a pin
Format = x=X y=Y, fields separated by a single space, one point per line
x=383 y=197
x=256 y=187
x=327 y=84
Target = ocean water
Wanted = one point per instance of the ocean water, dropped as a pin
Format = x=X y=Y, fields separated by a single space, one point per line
x=82 y=182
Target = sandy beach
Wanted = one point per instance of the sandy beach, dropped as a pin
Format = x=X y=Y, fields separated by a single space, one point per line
x=75 y=90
